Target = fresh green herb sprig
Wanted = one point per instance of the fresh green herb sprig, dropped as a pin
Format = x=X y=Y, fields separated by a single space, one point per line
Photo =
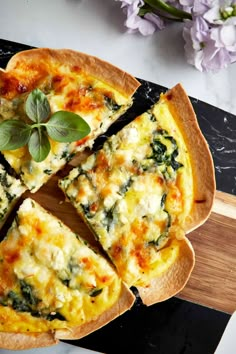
x=61 y=126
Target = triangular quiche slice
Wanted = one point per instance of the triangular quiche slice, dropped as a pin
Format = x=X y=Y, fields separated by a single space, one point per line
x=96 y=90
x=53 y=285
x=148 y=186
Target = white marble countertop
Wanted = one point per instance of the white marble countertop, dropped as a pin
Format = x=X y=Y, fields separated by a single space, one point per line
x=96 y=27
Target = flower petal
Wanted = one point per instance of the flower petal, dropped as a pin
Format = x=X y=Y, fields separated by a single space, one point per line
x=155 y=19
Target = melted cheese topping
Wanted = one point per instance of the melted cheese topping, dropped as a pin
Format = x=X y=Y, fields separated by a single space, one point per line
x=135 y=193
x=49 y=277
x=71 y=90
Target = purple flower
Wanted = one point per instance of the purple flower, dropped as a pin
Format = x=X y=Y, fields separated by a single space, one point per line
x=209 y=49
x=225 y=37
x=209 y=31
x=187 y=5
x=210 y=38
x=155 y=20
x=147 y=24
x=221 y=12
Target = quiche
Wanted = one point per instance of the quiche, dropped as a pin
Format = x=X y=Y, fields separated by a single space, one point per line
x=149 y=185
x=11 y=189
x=53 y=285
x=71 y=81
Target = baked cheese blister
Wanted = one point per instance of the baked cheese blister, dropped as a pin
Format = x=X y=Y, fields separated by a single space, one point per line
x=52 y=282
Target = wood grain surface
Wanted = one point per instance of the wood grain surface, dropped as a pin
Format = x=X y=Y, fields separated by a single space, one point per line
x=213 y=281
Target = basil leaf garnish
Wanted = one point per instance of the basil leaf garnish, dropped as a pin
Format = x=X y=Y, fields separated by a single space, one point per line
x=39 y=145
x=66 y=127
x=37 y=106
x=62 y=126
x=13 y=134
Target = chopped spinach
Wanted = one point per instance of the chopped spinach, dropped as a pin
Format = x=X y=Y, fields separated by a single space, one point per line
x=159 y=151
x=164 y=235
x=95 y=292
x=66 y=282
x=173 y=141
x=168 y=219
x=24 y=300
x=3 y=213
x=3 y=180
x=9 y=196
x=27 y=293
x=55 y=316
x=3 y=301
x=124 y=187
x=163 y=200
x=17 y=302
x=48 y=172
x=73 y=266
x=159 y=240
x=163 y=154
x=175 y=164
x=86 y=210
x=36 y=313
x=108 y=218
x=152 y=117
x=66 y=155
x=111 y=104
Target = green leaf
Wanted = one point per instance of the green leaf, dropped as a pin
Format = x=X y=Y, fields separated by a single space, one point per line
x=169 y=9
x=145 y=9
x=39 y=145
x=37 y=106
x=13 y=134
x=66 y=127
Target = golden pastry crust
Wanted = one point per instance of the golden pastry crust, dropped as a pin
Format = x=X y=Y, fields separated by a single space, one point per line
x=200 y=157
x=19 y=341
x=177 y=275
x=40 y=59
x=173 y=280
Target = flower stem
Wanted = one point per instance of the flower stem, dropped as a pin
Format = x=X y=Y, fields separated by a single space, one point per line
x=163 y=6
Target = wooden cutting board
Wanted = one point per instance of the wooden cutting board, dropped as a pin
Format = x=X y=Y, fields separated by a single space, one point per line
x=213 y=281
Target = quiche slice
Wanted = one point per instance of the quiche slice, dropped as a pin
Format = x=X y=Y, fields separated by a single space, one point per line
x=72 y=81
x=11 y=189
x=53 y=286
x=148 y=186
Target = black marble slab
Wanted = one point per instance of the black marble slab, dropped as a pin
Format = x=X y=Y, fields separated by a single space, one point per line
x=171 y=327
x=174 y=326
